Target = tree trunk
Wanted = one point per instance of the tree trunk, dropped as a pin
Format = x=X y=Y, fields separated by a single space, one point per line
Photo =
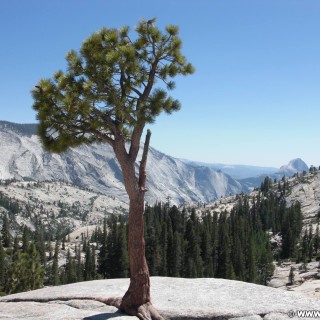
x=136 y=300
x=139 y=289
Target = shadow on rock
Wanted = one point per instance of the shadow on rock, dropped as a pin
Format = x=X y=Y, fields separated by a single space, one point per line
x=104 y=316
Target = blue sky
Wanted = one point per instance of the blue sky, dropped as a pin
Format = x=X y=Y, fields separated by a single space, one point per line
x=255 y=96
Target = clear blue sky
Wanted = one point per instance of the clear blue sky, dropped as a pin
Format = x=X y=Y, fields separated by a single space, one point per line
x=255 y=96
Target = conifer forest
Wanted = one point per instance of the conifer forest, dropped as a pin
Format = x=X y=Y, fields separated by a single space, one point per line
x=179 y=243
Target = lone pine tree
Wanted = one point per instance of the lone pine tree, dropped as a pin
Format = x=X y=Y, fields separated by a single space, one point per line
x=108 y=95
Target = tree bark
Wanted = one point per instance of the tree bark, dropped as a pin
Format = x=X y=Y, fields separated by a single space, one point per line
x=136 y=300
x=139 y=289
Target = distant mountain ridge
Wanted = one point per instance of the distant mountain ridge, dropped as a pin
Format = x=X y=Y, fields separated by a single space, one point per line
x=28 y=129
x=294 y=166
x=251 y=177
x=95 y=167
x=236 y=171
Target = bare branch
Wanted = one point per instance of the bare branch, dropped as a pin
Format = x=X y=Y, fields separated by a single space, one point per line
x=143 y=164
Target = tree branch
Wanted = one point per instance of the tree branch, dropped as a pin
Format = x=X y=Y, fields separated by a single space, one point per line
x=103 y=137
x=143 y=164
x=147 y=90
x=135 y=142
x=139 y=94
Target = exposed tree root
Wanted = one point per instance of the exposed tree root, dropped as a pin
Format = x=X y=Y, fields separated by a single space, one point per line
x=144 y=312
x=113 y=301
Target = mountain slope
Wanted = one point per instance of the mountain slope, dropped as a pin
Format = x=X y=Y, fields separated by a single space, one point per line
x=304 y=188
x=60 y=207
x=95 y=167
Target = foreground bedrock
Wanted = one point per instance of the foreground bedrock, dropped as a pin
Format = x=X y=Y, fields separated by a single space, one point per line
x=175 y=298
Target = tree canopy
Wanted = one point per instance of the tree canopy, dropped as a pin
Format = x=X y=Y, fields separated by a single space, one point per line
x=108 y=90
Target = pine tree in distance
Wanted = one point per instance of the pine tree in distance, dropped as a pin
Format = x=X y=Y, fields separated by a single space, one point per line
x=108 y=94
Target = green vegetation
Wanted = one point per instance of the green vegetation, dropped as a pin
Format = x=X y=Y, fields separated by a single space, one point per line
x=179 y=243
